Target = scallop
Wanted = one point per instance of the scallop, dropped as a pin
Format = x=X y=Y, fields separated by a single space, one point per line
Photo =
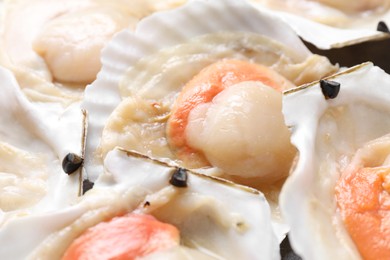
x=216 y=219
x=143 y=75
x=42 y=123
x=144 y=72
x=336 y=200
x=53 y=47
x=31 y=176
x=343 y=22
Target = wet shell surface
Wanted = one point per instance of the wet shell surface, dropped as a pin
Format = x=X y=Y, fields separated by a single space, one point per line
x=336 y=191
x=332 y=24
x=34 y=138
x=216 y=219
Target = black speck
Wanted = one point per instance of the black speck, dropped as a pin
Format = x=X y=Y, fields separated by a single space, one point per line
x=71 y=163
x=179 y=178
x=87 y=185
x=146 y=204
x=330 y=89
x=382 y=27
x=286 y=251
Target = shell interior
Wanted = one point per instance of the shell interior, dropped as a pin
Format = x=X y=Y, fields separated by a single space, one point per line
x=218 y=218
x=327 y=134
x=144 y=63
x=159 y=31
x=324 y=33
x=34 y=140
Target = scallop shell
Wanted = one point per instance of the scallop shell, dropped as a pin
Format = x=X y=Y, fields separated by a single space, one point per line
x=160 y=31
x=327 y=134
x=36 y=34
x=33 y=143
x=328 y=27
x=221 y=219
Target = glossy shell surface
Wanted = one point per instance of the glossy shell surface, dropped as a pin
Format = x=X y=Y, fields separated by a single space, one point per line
x=327 y=139
x=34 y=140
x=312 y=20
x=220 y=219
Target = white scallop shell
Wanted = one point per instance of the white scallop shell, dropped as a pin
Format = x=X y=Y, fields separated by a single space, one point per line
x=60 y=71
x=161 y=31
x=34 y=138
x=223 y=220
x=325 y=36
x=327 y=133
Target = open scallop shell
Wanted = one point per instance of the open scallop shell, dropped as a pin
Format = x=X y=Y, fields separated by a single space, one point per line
x=33 y=142
x=327 y=27
x=160 y=31
x=327 y=134
x=53 y=47
x=230 y=25
x=220 y=219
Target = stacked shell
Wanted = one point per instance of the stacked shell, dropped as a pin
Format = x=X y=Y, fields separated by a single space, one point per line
x=171 y=129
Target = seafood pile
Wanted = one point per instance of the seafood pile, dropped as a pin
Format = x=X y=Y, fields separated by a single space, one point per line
x=197 y=129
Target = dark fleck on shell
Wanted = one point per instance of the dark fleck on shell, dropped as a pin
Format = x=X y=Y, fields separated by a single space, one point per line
x=179 y=178
x=87 y=185
x=330 y=89
x=382 y=27
x=71 y=163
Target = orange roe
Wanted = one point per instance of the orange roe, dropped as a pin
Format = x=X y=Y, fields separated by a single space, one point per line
x=363 y=197
x=204 y=87
x=124 y=237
